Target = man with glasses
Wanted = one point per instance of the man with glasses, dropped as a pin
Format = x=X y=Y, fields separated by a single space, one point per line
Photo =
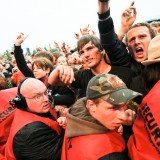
x=34 y=133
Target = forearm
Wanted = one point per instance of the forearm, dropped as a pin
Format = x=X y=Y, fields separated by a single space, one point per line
x=121 y=32
x=21 y=63
x=61 y=75
x=105 y=23
x=54 y=79
x=64 y=100
x=63 y=96
x=103 y=7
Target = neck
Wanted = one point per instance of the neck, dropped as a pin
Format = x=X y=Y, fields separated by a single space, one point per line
x=103 y=67
x=45 y=80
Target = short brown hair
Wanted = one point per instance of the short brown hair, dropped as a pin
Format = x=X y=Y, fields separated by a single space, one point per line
x=155 y=24
x=151 y=31
x=43 y=63
x=89 y=38
x=43 y=54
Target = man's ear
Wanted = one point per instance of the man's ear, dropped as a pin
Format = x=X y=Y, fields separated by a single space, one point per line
x=48 y=70
x=103 y=52
x=91 y=106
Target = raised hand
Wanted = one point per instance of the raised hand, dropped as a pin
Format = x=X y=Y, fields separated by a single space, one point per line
x=93 y=33
x=129 y=16
x=131 y=116
x=84 y=31
x=63 y=47
x=62 y=122
x=19 y=39
x=127 y=19
x=39 y=49
x=56 y=45
x=68 y=48
x=77 y=36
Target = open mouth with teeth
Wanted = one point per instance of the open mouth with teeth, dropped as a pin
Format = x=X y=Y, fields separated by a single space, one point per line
x=138 y=50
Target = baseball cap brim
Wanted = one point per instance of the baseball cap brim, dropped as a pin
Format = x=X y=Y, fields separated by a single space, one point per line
x=148 y=62
x=121 y=96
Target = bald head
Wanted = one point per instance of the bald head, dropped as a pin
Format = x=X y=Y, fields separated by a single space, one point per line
x=31 y=86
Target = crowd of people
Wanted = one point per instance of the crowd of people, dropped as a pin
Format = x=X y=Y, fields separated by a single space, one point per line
x=96 y=101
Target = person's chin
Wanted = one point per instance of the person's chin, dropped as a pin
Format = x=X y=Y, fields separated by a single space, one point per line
x=46 y=109
x=140 y=59
x=37 y=77
x=90 y=65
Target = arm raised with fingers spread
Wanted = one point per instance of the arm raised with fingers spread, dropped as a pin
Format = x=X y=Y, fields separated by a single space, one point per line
x=128 y=17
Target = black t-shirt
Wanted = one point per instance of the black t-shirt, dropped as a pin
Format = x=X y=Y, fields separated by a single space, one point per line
x=82 y=77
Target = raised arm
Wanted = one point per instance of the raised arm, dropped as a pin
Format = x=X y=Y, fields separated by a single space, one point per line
x=115 y=49
x=20 y=60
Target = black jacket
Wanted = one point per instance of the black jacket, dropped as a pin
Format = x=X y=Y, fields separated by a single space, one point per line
x=115 y=49
x=40 y=140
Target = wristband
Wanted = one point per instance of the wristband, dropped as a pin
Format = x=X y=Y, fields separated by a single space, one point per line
x=103 y=1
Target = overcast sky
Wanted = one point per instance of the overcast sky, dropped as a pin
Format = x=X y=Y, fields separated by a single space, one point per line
x=47 y=21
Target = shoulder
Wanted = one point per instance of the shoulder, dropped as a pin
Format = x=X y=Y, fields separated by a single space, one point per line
x=35 y=128
x=33 y=133
x=122 y=71
x=31 y=139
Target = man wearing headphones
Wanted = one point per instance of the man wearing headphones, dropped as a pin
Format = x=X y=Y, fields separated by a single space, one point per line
x=34 y=133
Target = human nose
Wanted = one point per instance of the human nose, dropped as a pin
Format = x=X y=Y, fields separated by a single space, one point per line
x=137 y=41
x=121 y=114
x=85 y=54
x=34 y=70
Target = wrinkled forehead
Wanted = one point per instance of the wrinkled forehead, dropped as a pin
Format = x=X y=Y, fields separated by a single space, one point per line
x=30 y=88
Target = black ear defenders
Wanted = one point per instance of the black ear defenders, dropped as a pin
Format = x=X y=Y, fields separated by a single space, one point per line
x=51 y=99
x=19 y=101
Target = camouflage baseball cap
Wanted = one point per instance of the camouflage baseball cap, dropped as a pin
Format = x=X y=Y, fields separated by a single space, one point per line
x=110 y=88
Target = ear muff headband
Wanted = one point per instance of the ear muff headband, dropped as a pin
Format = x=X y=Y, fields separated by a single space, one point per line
x=19 y=101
